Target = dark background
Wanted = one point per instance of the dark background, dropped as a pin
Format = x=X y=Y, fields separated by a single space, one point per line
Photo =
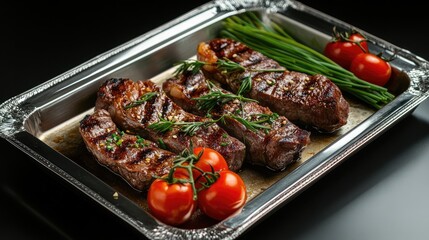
x=379 y=193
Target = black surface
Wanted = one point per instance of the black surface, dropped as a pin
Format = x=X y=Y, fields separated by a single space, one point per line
x=379 y=193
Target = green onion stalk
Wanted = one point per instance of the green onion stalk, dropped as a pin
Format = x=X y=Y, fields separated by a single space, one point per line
x=274 y=42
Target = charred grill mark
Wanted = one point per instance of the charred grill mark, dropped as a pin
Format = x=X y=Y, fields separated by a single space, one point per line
x=162 y=158
x=166 y=107
x=148 y=111
x=120 y=151
x=138 y=119
x=101 y=140
x=263 y=84
x=275 y=148
x=84 y=120
x=89 y=124
x=225 y=49
x=124 y=154
x=142 y=155
x=116 y=85
x=300 y=97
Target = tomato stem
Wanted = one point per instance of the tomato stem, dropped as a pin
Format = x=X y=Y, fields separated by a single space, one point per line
x=345 y=37
x=188 y=156
x=186 y=160
x=391 y=58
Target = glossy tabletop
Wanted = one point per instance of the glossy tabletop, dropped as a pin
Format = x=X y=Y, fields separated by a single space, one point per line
x=381 y=192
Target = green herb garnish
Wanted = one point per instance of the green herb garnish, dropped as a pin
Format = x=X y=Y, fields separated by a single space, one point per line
x=140 y=142
x=228 y=66
x=143 y=99
x=188 y=128
x=273 y=41
x=193 y=66
x=161 y=144
x=116 y=139
x=245 y=86
x=218 y=98
x=224 y=65
x=258 y=123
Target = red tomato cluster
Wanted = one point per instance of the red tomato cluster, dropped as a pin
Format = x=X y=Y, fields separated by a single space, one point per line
x=344 y=51
x=351 y=52
x=220 y=192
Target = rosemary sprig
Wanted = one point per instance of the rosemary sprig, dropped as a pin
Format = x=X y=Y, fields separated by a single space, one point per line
x=224 y=65
x=188 y=128
x=266 y=118
x=218 y=98
x=257 y=124
x=228 y=66
x=162 y=144
x=143 y=99
x=188 y=66
x=245 y=86
x=162 y=126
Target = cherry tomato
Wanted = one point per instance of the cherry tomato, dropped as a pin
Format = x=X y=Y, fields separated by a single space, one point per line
x=343 y=52
x=371 y=68
x=209 y=159
x=225 y=197
x=173 y=203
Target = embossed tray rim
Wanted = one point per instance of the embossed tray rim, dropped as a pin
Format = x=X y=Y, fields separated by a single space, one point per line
x=22 y=124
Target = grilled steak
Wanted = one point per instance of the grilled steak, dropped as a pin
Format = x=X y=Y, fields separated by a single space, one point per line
x=275 y=145
x=306 y=100
x=138 y=106
x=135 y=159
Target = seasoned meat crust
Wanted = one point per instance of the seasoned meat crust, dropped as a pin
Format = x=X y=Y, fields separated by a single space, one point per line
x=119 y=98
x=307 y=100
x=275 y=148
x=133 y=158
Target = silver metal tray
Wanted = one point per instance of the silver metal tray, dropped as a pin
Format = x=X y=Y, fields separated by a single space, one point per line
x=42 y=121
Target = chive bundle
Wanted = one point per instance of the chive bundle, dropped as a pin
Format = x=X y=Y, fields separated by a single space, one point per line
x=274 y=42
